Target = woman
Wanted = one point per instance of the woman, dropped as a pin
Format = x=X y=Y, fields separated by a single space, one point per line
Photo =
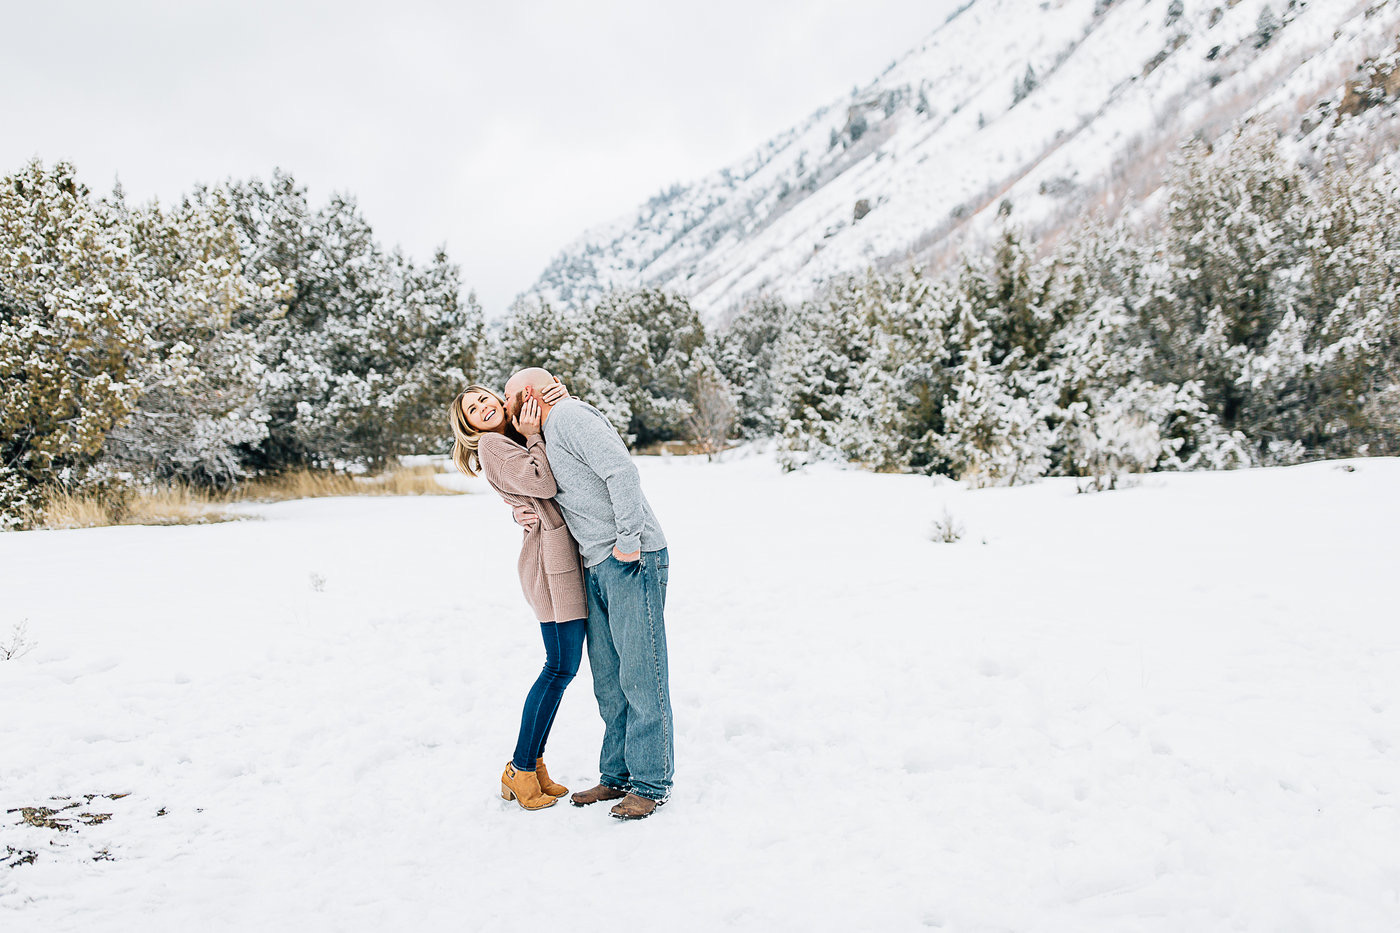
x=512 y=459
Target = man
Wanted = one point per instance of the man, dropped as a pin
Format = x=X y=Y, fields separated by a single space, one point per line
x=626 y=566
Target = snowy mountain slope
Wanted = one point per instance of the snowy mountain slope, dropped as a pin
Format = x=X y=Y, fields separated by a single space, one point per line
x=1043 y=110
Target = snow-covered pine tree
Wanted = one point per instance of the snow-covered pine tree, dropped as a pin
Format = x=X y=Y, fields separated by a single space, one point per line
x=361 y=349
x=1329 y=370
x=643 y=340
x=1275 y=293
x=835 y=394
x=1024 y=85
x=199 y=379
x=917 y=312
x=1109 y=418
x=534 y=333
x=72 y=330
x=277 y=239
x=337 y=373
x=1266 y=26
x=745 y=350
x=993 y=435
x=1236 y=222
x=425 y=344
x=862 y=373
x=1007 y=293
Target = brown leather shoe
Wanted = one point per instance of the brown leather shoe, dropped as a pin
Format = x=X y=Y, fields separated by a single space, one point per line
x=552 y=788
x=634 y=808
x=524 y=788
x=594 y=794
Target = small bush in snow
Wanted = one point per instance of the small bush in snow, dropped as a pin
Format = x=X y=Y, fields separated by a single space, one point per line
x=18 y=643
x=945 y=530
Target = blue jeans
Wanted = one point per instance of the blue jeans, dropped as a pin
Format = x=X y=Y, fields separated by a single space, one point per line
x=627 y=652
x=563 y=649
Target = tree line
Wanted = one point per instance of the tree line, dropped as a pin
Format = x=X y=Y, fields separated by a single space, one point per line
x=243 y=331
x=1256 y=322
x=237 y=333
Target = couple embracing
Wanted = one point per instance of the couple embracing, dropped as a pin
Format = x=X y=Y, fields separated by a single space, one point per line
x=593 y=562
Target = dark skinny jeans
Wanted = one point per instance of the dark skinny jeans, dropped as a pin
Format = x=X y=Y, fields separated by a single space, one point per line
x=563 y=649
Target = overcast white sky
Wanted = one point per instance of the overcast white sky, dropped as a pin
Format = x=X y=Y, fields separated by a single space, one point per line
x=500 y=129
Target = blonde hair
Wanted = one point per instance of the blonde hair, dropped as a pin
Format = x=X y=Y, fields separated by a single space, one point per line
x=465 y=438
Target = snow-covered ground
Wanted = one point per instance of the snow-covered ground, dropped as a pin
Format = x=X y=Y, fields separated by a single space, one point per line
x=1174 y=707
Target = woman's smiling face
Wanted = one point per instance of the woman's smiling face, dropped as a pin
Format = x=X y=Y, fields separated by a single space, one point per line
x=483 y=411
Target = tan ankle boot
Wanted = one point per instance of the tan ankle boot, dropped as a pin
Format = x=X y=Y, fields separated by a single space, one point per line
x=551 y=788
x=524 y=788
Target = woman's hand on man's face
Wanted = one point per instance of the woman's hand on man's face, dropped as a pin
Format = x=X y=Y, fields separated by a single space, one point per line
x=554 y=392
x=528 y=421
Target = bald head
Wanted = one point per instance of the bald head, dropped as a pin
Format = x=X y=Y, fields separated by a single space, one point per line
x=533 y=377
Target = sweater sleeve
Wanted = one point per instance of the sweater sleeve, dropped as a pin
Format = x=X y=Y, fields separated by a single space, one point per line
x=523 y=471
x=598 y=445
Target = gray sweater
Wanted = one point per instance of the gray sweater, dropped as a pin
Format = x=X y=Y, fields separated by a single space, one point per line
x=599 y=490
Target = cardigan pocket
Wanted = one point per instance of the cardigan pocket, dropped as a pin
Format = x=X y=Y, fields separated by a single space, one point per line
x=558 y=552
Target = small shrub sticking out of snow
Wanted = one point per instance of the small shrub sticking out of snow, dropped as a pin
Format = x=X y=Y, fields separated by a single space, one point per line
x=1106 y=483
x=18 y=644
x=13 y=858
x=66 y=815
x=318 y=582
x=945 y=530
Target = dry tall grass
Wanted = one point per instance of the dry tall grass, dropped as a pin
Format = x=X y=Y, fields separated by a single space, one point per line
x=183 y=505
x=163 y=505
x=315 y=484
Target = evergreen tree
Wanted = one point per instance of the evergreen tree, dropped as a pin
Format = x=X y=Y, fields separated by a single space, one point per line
x=824 y=401
x=72 y=332
x=858 y=375
x=921 y=317
x=1234 y=224
x=361 y=350
x=643 y=340
x=745 y=351
x=993 y=436
x=1008 y=294
x=1024 y=85
x=857 y=126
x=1267 y=25
x=630 y=355
x=198 y=380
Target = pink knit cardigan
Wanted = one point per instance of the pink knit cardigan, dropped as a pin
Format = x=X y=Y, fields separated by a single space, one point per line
x=551 y=573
